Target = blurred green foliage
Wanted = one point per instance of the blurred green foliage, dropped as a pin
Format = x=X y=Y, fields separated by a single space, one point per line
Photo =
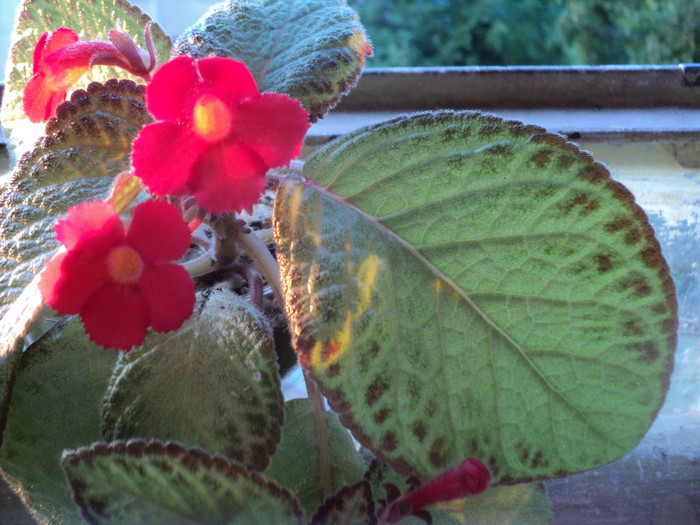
x=530 y=32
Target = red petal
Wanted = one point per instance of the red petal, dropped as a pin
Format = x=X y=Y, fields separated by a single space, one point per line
x=40 y=100
x=39 y=51
x=170 y=93
x=83 y=271
x=163 y=155
x=274 y=126
x=49 y=277
x=158 y=232
x=228 y=177
x=58 y=39
x=88 y=219
x=116 y=317
x=227 y=78
x=169 y=291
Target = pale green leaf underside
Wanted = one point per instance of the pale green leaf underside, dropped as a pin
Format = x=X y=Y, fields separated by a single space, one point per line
x=296 y=464
x=152 y=483
x=464 y=286
x=75 y=161
x=55 y=405
x=212 y=384
x=92 y=20
x=311 y=50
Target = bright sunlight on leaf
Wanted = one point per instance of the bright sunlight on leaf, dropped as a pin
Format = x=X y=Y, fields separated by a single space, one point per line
x=461 y=286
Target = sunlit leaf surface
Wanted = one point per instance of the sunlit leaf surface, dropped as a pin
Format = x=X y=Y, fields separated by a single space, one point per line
x=311 y=50
x=461 y=286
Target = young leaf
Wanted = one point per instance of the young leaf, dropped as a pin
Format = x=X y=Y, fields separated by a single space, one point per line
x=298 y=462
x=153 y=483
x=460 y=285
x=55 y=405
x=311 y=50
x=351 y=505
x=93 y=19
x=82 y=150
x=212 y=384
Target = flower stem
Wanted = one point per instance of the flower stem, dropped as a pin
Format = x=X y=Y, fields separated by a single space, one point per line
x=202 y=265
x=322 y=437
x=263 y=259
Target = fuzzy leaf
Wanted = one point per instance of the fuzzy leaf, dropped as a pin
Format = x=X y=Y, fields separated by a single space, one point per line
x=311 y=50
x=92 y=20
x=153 y=483
x=55 y=405
x=297 y=463
x=351 y=505
x=84 y=148
x=459 y=285
x=212 y=384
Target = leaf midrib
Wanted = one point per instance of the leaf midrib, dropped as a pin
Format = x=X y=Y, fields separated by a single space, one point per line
x=461 y=293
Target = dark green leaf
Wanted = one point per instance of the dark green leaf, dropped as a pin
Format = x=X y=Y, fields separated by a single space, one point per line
x=311 y=50
x=351 y=505
x=55 y=405
x=460 y=285
x=153 y=483
x=298 y=462
x=212 y=384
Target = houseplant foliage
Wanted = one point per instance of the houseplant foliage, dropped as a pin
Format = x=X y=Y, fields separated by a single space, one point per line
x=476 y=299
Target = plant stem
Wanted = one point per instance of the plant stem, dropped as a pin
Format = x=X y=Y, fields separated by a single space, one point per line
x=324 y=452
x=202 y=265
x=264 y=261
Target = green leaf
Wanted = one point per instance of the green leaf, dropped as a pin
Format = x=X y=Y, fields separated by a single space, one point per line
x=459 y=285
x=311 y=50
x=212 y=384
x=82 y=151
x=14 y=327
x=297 y=464
x=521 y=504
x=55 y=405
x=153 y=483
x=92 y=20
x=351 y=505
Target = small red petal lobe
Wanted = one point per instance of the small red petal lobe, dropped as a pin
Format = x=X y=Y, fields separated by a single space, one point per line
x=227 y=79
x=274 y=126
x=169 y=292
x=116 y=316
x=163 y=155
x=158 y=232
x=49 y=277
x=170 y=93
x=85 y=219
x=40 y=99
x=228 y=177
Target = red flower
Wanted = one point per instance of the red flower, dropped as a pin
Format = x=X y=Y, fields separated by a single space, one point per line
x=60 y=60
x=216 y=136
x=469 y=478
x=120 y=280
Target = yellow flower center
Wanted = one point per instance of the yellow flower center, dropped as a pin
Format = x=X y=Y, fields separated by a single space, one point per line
x=212 y=118
x=125 y=265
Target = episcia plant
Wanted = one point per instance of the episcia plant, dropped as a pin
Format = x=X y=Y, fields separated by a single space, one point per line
x=473 y=300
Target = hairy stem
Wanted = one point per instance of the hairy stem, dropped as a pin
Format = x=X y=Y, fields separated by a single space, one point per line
x=263 y=259
x=324 y=451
